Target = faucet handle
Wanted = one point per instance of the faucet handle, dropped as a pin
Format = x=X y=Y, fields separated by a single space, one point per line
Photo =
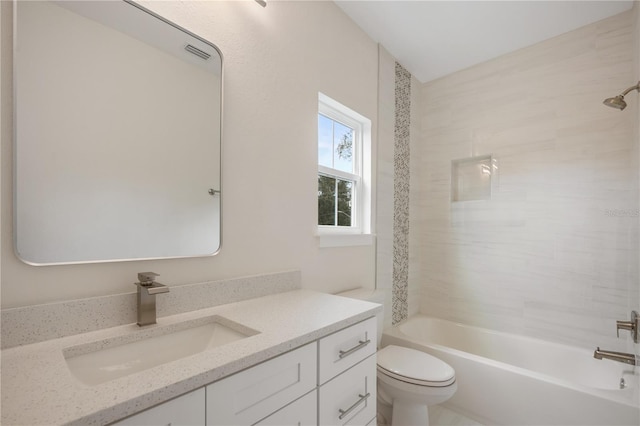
x=157 y=288
x=624 y=325
x=632 y=326
x=147 y=278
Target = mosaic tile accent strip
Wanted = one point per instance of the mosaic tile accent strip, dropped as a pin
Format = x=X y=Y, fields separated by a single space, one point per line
x=400 y=303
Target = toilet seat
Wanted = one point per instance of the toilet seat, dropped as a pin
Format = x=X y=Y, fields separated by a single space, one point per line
x=415 y=367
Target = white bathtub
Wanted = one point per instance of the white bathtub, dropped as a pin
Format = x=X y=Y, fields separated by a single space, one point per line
x=506 y=379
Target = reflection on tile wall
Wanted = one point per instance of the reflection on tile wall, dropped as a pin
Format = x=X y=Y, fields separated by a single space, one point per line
x=550 y=255
x=400 y=299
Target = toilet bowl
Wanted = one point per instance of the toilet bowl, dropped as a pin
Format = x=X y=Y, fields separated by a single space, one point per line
x=408 y=380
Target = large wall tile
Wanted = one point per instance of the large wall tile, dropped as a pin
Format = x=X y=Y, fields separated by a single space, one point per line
x=554 y=253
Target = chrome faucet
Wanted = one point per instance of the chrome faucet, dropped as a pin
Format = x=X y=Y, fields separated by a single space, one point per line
x=616 y=356
x=147 y=290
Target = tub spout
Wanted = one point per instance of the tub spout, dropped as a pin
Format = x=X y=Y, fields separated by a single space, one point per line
x=615 y=356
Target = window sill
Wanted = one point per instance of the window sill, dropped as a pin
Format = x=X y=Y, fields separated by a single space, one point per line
x=344 y=240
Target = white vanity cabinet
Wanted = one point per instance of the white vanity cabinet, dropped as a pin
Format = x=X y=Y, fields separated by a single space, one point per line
x=347 y=376
x=302 y=412
x=345 y=348
x=331 y=381
x=350 y=398
x=185 y=410
x=248 y=397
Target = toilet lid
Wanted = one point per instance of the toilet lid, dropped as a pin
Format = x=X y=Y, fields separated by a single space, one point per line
x=413 y=366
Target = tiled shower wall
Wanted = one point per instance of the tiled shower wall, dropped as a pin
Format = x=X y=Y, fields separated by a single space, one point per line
x=554 y=253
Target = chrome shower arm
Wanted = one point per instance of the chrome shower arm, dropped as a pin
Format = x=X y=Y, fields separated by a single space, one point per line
x=636 y=87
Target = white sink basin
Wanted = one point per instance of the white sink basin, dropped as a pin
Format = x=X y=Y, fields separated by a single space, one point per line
x=98 y=362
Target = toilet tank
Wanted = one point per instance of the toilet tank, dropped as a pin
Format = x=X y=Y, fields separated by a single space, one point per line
x=369 y=295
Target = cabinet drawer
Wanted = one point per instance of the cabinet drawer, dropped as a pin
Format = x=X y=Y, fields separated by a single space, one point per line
x=303 y=412
x=185 y=410
x=255 y=393
x=345 y=348
x=350 y=398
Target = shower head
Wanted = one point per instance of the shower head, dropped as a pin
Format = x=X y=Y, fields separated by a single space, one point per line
x=618 y=101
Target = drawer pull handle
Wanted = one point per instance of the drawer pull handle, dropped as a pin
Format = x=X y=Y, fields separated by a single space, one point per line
x=361 y=344
x=344 y=413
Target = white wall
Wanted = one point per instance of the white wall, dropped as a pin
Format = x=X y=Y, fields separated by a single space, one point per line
x=543 y=257
x=384 y=209
x=276 y=60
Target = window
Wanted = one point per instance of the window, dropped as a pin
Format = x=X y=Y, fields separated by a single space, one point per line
x=344 y=173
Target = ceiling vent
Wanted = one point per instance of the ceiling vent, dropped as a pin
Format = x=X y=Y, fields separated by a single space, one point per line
x=199 y=53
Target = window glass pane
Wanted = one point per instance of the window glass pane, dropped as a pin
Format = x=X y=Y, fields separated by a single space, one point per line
x=343 y=147
x=325 y=141
x=326 y=200
x=345 y=195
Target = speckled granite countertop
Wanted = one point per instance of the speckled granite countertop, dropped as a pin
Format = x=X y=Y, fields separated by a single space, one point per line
x=38 y=389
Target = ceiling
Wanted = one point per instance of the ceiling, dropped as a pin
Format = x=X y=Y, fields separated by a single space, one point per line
x=434 y=38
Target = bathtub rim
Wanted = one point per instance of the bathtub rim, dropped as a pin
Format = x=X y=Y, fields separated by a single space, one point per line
x=627 y=396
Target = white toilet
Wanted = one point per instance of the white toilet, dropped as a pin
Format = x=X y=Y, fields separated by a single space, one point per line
x=408 y=380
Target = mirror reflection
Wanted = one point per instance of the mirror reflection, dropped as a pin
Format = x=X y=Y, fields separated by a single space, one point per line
x=117 y=135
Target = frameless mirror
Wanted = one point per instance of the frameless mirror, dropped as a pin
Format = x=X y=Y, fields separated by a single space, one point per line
x=117 y=135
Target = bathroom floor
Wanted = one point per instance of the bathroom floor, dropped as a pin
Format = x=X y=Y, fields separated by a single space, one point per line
x=441 y=416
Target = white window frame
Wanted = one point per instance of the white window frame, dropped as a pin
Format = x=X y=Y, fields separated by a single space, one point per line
x=360 y=231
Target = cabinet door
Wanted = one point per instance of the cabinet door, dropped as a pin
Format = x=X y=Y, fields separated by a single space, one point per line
x=303 y=412
x=350 y=398
x=185 y=410
x=347 y=347
x=253 y=394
